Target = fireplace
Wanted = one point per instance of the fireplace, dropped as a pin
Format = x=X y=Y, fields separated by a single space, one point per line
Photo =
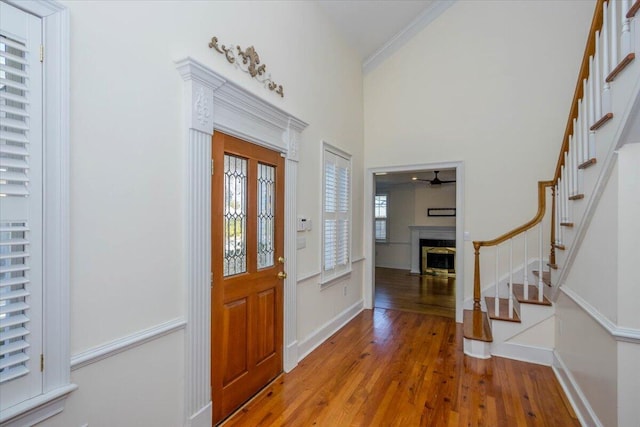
x=420 y=232
x=438 y=257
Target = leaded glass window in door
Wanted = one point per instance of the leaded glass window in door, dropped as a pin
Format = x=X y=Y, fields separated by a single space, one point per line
x=235 y=215
x=266 y=215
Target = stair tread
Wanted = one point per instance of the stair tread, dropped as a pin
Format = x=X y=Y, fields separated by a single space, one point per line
x=476 y=325
x=633 y=10
x=504 y=308
x=588 y=163
x=621 y=66
x=566 y=224
x=518 y=293
x=546 y=277
x=597 y=125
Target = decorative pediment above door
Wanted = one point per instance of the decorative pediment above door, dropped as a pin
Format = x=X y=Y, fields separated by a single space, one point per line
x=216 y=103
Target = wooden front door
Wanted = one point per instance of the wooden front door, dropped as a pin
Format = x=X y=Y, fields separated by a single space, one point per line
x=248 y=271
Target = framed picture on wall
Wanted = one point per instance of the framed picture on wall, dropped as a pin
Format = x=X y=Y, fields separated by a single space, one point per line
x=441 y=212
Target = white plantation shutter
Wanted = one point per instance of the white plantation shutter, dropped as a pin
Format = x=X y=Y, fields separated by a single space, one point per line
x=20 y=206
x=336 y=213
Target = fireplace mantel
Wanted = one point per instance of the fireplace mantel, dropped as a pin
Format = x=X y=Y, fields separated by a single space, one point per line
x=426 y=232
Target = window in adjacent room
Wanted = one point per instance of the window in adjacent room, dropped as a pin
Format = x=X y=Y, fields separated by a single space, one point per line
x=381 y=222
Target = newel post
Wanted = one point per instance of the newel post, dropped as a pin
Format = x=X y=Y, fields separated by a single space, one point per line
x=476 y=277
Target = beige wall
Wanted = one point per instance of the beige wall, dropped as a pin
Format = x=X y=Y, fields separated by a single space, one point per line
x=484 y=85
x=590 y=353
x=127 y=177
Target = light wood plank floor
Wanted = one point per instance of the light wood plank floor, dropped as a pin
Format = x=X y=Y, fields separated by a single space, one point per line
x=394 y=368
x=400 y=290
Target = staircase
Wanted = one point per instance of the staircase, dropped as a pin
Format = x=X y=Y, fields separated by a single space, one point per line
x=605 y=104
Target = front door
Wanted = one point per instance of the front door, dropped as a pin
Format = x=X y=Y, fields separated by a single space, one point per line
x=248 y=271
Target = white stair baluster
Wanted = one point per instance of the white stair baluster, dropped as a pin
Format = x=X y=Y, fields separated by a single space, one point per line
x=567 y=184
x=625 y=37
x=597 y=80
x=540 y=271
x=591 y=145
x=577 y=143
x=565 y=197
x=605 y=46
x=592 y=101
x=511 y=278
x=567 y=166
x=613 y=33
x=585 y=124
x=572 y=166
x=496 y=305
x=525 y=270
x=557 y=212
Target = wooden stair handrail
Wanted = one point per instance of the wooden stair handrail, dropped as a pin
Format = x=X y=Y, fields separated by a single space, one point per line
x=589 y=50
x=477 y=287
x=542 y=197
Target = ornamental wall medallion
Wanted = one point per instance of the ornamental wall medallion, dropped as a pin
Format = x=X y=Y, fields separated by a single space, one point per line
x=248 y=61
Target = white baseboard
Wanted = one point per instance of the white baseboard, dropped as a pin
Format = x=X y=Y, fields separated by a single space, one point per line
x=394 y=266
x=574 y=393
x=202 y=418
x=524 y=353
x=321 y=334
x=291 y=356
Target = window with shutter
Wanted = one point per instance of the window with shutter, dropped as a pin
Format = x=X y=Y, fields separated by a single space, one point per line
x=20 y=206
x=34 y=247
x=380 y=210
x=336 y=213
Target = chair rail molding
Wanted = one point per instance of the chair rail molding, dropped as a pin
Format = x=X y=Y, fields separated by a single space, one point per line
x=213 y=103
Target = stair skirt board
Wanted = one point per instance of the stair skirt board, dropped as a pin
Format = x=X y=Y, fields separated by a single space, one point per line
x=531 y=314
x=572 y=390
x=524 y=353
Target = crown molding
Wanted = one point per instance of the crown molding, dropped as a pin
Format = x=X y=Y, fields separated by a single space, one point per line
x=429 y=15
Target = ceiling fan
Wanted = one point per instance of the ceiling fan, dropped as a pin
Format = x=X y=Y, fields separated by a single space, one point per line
x=435 y=180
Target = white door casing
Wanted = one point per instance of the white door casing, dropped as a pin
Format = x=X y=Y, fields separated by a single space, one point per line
x=369 y=240
x=213 y=103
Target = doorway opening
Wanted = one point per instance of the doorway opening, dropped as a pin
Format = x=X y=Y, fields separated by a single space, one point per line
x=416 y=239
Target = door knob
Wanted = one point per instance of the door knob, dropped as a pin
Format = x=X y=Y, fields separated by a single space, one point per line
x=282 y=275
x=281 y=259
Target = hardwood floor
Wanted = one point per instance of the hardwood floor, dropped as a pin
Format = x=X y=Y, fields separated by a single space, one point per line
x=400 y=290
x=394 y=368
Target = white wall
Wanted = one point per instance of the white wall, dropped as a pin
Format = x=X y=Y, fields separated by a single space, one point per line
x=127 y=187
x=396 y=252
x=443 y=196
x=482 y=84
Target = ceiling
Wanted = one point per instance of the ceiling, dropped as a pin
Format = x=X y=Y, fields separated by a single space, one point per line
x=400 y=178
x=372 y=27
